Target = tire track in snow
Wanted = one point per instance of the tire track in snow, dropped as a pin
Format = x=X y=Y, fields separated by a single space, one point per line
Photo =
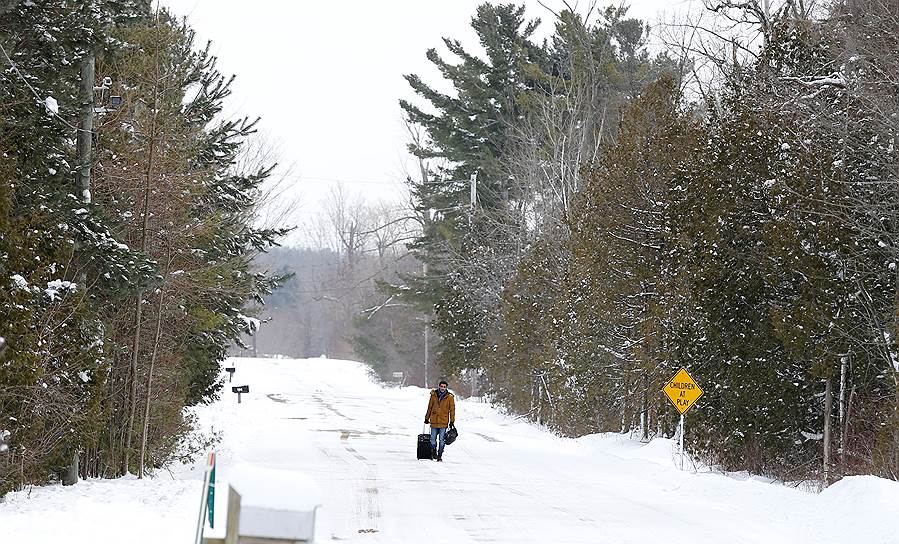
x=367 y=505
x=481 y=527
x=507 y=486
x=322 y=402
x=367 y=511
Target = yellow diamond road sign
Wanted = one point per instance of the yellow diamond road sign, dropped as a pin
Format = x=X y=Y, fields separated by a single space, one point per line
x=682 y=390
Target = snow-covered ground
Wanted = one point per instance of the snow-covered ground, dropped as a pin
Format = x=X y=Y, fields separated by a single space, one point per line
x=502 y=481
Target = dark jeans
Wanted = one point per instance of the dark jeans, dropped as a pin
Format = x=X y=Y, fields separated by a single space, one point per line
x=435 y=432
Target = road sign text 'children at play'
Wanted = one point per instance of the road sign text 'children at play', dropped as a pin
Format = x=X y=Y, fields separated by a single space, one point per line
x=682 y=390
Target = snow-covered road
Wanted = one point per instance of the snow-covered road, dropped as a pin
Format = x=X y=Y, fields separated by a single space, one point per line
x=503 y=481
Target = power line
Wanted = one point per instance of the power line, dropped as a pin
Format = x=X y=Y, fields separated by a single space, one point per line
x=33 y=91
x=404 y=182
x=366 y=181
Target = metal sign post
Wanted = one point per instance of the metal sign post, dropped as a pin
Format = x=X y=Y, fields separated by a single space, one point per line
x=683 y=392
x=210 y=497
x=207 y=499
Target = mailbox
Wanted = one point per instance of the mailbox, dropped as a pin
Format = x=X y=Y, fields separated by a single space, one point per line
x=240 y=389
x=276 y=506
x=230 y=370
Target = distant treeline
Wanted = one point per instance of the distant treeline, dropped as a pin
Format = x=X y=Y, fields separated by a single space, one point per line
x=728 y=203
x=126 y=235
x=332 y=306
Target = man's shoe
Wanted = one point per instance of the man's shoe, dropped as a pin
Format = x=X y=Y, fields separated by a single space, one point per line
x=433 y=454
x=439 y=458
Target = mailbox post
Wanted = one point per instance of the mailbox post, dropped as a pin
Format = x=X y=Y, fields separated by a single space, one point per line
x=240 y=389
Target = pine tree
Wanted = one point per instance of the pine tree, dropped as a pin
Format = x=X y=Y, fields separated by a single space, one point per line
x=187 y=227
x=470 y=133
x=59 y=263
x=171 y=183
x=568 y=126
x=522 y=364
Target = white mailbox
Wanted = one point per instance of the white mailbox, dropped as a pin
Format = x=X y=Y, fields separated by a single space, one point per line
x=276 y=505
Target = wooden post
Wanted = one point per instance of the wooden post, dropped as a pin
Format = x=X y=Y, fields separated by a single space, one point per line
x=71 y=475
x=644 y=416
x=828 y=407
x=841 y=425
x=85 y=137
x=424 y=270
x=84 y=143
x=233 y=525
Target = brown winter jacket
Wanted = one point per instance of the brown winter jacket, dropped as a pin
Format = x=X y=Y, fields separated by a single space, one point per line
x=441 y=412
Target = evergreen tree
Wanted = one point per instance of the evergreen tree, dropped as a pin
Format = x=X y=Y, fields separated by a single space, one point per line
x=619 y=246
x=567 y=129
x=175 y=246
x=522 y=365
x=759 y=248
x=470 y=133
x=59 y=262
x=172 y=185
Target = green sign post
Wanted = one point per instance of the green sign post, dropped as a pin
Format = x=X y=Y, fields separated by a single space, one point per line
x=210 y=499
x=207 y=502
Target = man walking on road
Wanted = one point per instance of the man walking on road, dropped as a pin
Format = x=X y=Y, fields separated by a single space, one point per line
x=441 y=414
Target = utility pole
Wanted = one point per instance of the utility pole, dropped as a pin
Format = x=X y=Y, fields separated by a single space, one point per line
x=424 y=268
x=85 y=140
x=86 y=130
x=424 y=274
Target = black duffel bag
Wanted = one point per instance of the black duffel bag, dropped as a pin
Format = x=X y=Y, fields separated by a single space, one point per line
x=451 y=435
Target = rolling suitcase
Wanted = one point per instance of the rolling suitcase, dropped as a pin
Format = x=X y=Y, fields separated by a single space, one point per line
x=424 y=445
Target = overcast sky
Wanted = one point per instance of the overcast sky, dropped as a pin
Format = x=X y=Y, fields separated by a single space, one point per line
x=326 y=77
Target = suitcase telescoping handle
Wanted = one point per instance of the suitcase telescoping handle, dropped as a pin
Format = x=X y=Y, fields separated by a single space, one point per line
x=424 y=429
